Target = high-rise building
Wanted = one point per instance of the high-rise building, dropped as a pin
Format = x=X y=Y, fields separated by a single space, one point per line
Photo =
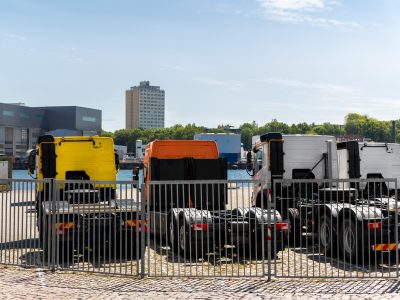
x=144 y=106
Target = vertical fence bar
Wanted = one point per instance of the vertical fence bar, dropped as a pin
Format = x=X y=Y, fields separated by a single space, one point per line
x=271 y=229
x=145 y=228
x=396 y=231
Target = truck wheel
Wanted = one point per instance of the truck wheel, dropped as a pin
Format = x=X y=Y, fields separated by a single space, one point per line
x=126 y=247
x=350 y=240
x=256 y=253
x=43 y=226
x=326 y=235
x=182 y=240
x=173 y=235
x=187 y=244
x=295 y=234
x=63 y=250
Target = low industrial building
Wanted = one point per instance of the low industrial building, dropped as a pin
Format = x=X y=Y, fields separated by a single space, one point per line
x=229 y=144
x=21 y=125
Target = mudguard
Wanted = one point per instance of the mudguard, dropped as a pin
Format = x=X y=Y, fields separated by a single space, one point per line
x=191 y=215
x=261 y=215
x=361 y=212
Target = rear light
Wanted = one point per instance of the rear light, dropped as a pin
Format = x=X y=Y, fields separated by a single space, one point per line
x=200 y=226
x=374 y=225
x=269 y=234
x=191 y=203
x=281 y=226
x=60 y=228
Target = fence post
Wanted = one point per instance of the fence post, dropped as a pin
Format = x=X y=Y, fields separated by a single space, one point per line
x=140 y=200
x=52 y=235
x=270 y=228
x=396 y=234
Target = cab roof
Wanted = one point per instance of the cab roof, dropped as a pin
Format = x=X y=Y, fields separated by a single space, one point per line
x=171 y=149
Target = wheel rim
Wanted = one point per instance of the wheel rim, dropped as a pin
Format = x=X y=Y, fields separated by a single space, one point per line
x=348 y=240
x=182 y=238
x=325 y=235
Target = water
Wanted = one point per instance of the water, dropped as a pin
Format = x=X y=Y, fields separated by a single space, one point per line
x=126 y=175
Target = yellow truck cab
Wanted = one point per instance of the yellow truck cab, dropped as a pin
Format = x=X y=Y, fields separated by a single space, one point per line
x=78 y=211
x=75 y=158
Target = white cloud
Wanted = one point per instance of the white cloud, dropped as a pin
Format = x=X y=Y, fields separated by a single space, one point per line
x=12 y=37
x=173 y=67
x=303 y=11
x=293 y=4
x=325 y=88
x=228 y=85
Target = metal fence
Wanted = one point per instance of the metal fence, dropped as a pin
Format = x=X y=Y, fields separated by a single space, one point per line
x=72 y=225
x=339 y=228
x=230 y=228
x=206 y=228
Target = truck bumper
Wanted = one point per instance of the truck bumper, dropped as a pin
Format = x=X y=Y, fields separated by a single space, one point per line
x=383 y=240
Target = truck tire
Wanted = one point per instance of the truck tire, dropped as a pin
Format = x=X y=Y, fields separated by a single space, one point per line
x=256 y=252
x=173 y=234
x=264 y=200
x=350 y=241
x=326 y=235
x=127 y=246
x=187 y=245
x=63 y=251
x=182 y=238
x=295 y=233
x=42 y=225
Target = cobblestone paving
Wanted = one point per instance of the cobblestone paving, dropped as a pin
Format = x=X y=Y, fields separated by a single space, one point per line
x=19 y=283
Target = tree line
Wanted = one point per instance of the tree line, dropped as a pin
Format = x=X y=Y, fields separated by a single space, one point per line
x=355 y=125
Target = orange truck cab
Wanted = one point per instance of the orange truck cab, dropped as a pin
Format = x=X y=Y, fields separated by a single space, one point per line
x=185 y=193
x=182 y=160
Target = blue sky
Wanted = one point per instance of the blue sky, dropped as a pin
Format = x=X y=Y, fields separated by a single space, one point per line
x=218 y=61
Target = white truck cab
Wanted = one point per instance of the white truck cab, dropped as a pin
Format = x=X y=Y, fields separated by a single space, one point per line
x=369 y=160
x=277 y=156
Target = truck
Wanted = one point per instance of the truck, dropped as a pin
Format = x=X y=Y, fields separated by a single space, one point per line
x=370 y=160
x=186 y=197
x=344 y=218
x=77 y=206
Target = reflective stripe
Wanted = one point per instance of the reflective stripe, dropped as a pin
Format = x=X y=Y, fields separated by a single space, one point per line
x=385 y=247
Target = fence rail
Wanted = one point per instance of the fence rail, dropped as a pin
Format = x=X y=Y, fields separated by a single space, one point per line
x=231 y=228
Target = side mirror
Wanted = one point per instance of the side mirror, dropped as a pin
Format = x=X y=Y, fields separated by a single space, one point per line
x=249 y=161
x=249 y=157
x=116 y=157
x=31 y=161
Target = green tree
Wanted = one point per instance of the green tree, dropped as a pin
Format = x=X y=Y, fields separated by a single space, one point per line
x=248 y=130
